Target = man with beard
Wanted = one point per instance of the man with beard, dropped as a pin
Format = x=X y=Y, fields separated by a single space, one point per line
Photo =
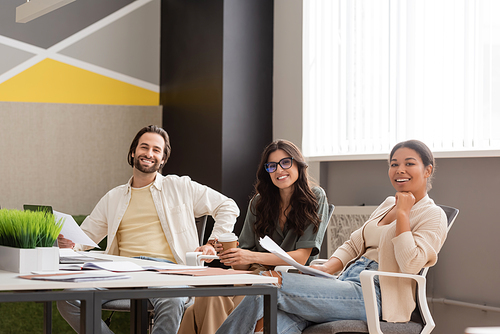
x=153 y=217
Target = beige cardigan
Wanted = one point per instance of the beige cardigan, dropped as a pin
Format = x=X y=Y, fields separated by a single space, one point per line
x=407 y=253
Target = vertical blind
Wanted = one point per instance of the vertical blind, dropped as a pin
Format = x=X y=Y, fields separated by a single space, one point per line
x=376 y=72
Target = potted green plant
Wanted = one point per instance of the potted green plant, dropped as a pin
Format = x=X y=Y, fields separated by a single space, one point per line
x=26 y=240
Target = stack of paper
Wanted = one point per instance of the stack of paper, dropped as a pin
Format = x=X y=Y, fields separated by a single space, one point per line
x=157 y=266
x=81 y=276
x=116 y=266
x=69 y=256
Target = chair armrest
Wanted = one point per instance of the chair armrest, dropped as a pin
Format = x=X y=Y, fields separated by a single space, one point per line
x=285 y=269
x=371 y=307
x=318 y=262
x=291 y=269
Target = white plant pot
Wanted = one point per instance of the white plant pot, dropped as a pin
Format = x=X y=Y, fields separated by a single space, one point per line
x=18 y=260
x=24 y=261
x=48 y=258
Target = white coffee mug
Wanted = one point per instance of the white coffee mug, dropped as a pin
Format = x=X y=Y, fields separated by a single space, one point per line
x=195 y=258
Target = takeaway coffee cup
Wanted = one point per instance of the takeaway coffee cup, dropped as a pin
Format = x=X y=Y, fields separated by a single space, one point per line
x=228 y=240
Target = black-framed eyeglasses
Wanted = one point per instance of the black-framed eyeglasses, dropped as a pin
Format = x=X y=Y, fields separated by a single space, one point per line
x=285 y=163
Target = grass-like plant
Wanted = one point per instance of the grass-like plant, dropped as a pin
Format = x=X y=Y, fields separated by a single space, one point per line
x=28 y=229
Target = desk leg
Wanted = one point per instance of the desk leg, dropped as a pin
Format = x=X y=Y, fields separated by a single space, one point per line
x=139 y=316
x=96 y=318
x=47 y=317
x=86 y=317
x=271 y=312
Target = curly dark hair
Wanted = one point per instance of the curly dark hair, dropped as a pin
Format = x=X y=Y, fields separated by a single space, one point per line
x=303 y=203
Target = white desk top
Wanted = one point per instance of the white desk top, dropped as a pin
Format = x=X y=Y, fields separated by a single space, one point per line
x=11 y=281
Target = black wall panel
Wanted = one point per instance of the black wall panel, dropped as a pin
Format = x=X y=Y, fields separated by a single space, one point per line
x=216 y=91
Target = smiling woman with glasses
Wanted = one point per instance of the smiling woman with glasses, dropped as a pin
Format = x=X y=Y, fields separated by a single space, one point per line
x=284 y=207
x=283 y=183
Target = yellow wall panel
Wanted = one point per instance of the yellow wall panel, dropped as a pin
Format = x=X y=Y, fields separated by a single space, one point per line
x=51 y=81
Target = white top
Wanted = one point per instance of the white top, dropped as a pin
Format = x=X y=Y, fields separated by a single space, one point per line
x=372 y=234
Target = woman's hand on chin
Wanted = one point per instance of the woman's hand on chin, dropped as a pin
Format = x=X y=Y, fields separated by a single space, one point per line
x=404 y=201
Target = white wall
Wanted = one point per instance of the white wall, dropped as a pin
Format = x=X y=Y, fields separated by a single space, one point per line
x=287 y=92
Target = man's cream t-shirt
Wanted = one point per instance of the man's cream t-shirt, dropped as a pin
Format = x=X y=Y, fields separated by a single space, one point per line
x=140 y=232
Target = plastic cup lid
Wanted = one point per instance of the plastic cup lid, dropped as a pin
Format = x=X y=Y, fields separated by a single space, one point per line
x=228 y=237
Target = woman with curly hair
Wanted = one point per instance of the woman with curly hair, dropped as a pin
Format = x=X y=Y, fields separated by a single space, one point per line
x=286 y=208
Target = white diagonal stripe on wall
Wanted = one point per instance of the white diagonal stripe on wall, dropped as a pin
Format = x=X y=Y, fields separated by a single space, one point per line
x=106 y=72
x=52 y=52
x=21 y=45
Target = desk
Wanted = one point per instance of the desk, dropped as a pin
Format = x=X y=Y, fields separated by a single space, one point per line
x=198 y=286
x=135 y=288
x=139 y=323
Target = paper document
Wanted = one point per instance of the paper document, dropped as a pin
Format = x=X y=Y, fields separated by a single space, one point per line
x=72 y=231
x=69 y=256
x=68 y=252
x=170 y=266
x=116 y=266
x=273 y=248
x=82 y=276
x=113 y=266
x=69 y=266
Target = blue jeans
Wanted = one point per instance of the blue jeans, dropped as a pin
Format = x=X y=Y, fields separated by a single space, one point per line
x=167 y=318
x=304 y=300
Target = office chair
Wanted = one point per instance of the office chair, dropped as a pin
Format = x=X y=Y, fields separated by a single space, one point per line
x=123 y=305
x=331 y=208
x=421 y=323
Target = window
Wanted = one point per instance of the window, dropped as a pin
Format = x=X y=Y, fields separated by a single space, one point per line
x=376 y=72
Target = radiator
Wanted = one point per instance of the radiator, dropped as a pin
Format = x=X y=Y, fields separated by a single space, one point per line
x=345 y=220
